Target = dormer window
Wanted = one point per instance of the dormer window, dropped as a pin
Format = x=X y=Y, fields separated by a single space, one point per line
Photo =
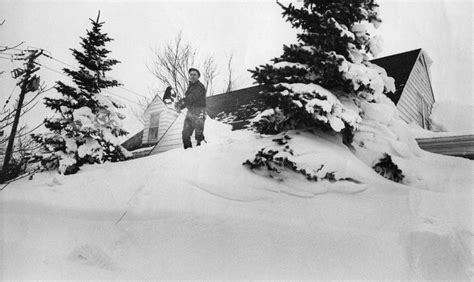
x=153 y=128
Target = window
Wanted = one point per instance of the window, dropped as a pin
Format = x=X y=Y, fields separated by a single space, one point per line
x=153 y=129
x=153 y=134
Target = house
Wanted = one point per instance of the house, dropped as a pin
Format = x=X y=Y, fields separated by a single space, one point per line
x=158 y=119
x=413 y=96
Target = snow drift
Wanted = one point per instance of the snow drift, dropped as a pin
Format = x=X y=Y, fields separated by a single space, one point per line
x=201 y=214
x=452 y=116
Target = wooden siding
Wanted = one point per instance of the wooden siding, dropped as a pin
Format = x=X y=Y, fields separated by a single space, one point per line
x=3 y=148
x=459 y=146
x=172 y=138
x=141 y=154
x=418 y=86
x=166 y=119
x=427 y=78
x=156 y=107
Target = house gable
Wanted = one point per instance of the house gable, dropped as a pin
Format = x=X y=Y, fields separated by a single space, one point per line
x=426 y=65
x=417 y=98
x=171 y=138
x=398 y=66
x=154 y=109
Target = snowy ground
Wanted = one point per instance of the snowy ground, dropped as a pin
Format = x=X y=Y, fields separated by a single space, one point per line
x=200 y=214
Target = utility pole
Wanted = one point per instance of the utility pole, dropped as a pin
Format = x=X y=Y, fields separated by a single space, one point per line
x=28 y=83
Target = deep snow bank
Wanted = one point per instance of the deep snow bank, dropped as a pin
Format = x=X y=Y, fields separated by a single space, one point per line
x=452 y=116
x=200 y=214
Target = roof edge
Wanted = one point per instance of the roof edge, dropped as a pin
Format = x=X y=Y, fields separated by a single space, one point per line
x=240 y=89
x=397 y=54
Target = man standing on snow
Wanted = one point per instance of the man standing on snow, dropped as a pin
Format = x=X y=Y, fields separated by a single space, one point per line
x=195 y=101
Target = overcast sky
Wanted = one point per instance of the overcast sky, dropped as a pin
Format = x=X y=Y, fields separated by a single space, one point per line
x=253 y=31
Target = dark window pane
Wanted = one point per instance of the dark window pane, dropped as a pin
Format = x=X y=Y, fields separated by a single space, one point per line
x=153 y=134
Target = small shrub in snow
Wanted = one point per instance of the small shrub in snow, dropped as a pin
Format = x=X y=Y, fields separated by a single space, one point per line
x=270 y=160
x=277 y=160
x=388 y=169
x=282 y=140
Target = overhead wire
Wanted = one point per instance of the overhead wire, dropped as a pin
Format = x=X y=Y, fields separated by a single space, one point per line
x=6 y=58
x=121 y=87
x=49 y=56
x=105 y=90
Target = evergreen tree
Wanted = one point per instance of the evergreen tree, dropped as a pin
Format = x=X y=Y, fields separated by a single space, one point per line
x=333 y=52
x=87 y=123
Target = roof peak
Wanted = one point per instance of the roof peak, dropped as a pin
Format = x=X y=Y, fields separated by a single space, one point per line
x=398 y=54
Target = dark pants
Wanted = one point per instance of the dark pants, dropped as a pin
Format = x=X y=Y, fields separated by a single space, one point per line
x=194 y=121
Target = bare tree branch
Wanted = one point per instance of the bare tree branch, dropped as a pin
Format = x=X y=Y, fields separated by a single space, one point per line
x=171 y=63
x=5 y=138
x=209 y=74
x=138 y=109
x=6 y=48
x=230 y=84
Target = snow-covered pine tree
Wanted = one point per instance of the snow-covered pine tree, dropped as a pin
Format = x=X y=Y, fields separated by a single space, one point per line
x=317 y=82
x=87 y=122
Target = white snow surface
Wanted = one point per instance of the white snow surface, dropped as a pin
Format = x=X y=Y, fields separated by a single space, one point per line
x=334 y=111
x=418 y=132
x=342 y=28
x=370 y=75
x=85 y=116
x=376 y=44
x=285 y=64
x=200 y=214
x=452 y=116
x=91 y=147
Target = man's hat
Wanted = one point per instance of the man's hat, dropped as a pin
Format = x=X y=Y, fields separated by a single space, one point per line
x=196 y=70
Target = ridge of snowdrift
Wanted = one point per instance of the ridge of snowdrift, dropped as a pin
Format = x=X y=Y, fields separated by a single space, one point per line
x=200 y=214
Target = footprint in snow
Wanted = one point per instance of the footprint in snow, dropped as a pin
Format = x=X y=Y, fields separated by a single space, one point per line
x=92 y=256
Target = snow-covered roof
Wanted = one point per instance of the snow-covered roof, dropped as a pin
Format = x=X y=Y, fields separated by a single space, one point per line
x=235 y=107
x=133 y=142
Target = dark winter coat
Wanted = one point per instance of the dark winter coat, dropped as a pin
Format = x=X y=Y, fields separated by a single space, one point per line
x=195 y=97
